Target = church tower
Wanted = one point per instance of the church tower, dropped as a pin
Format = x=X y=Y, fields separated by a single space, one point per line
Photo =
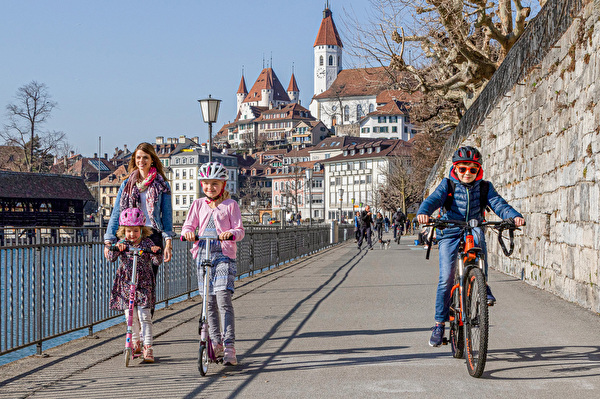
x=328 y=53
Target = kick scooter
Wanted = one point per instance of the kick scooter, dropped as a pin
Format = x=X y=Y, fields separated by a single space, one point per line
x=206 y=354
x=136 y=253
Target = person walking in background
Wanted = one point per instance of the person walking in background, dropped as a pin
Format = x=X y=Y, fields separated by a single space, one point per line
x=379 y=226
x=366 y=221
x=386 y=220
x=217 y=211
x=356 y=226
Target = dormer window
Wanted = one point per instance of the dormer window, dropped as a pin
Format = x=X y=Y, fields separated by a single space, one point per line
x=352 y=152
x=377 y=149
x=370 y=150
x=362 y=151
x=345 y=153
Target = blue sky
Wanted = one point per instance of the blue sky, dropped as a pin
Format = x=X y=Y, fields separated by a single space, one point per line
x=129 y=71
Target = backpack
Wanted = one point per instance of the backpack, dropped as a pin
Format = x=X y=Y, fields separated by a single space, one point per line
x=484 y=188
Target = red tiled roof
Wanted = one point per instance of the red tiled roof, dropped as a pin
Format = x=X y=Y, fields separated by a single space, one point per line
x=359 y=82
x=328 y=34
x=242 y=89
x=293 y=86
x=389 y=147
x=267 y=80
x=387 y=96
x=289 y=111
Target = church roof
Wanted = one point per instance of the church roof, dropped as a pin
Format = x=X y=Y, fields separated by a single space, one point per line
x=328 y=34
x=293 y=86
x=267 y=80
x=358 y=82
x=242 y=89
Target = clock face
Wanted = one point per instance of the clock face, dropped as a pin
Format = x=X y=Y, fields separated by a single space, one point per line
x=321 y=72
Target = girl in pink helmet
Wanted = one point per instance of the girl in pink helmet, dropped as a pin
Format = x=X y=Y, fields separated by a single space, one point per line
x=133 y=232
x=219 y=212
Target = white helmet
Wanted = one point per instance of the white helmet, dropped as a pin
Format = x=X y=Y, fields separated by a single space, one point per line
x=213 y=171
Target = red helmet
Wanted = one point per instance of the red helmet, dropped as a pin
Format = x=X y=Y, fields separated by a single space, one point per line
x=466 y=154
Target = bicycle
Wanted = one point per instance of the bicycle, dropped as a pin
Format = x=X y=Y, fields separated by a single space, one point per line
x=206 y=353
x=399 y=230
x=136 y=252
x=469 y=316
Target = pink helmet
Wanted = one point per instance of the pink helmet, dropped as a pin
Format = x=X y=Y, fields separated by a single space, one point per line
x=132 y=217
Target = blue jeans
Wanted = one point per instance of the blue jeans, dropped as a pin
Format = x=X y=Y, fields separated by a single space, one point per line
x=448 y=250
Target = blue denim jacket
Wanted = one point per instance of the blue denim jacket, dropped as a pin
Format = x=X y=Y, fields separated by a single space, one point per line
x=162 y=215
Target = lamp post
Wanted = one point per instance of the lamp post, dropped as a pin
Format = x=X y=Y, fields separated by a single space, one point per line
x=341 y=193
x=210 y=111
x=309 y=173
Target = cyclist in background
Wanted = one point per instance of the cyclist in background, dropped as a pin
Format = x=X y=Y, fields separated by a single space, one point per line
x=466 y=178
x=399 y=220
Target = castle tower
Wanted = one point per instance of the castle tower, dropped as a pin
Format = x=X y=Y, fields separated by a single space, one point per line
x=328 y=53
x=293 y=91
x=241 y=93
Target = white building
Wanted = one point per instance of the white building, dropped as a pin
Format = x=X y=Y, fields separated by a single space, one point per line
x=360 y=172
x=390 y=120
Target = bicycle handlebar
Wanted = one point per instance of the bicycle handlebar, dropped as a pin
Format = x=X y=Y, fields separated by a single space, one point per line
x=506 y=224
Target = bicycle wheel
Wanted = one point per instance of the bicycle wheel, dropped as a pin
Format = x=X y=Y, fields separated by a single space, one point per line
x=203 y=360
x=476 y=322
x=127 y=353
x=457 y=338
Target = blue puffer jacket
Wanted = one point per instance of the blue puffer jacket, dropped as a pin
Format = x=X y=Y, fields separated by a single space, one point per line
x=466 y=202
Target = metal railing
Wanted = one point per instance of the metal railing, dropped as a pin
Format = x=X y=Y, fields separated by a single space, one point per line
x=57 y=281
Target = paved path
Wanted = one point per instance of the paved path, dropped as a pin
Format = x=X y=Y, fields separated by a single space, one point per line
x=338 y=324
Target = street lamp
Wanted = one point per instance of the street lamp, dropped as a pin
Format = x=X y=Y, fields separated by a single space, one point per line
x=210 y=111
x=309 y=173
x=341 y=193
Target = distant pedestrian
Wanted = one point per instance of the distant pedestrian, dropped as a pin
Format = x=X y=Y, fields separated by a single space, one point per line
x=386 y=222
x=379 y=226
x=356 y=226
x=366 y=221
x=133 y=232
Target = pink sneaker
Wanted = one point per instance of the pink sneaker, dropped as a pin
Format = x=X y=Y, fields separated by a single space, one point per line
x=218 y=349
x=148 y=354
x=229 y=356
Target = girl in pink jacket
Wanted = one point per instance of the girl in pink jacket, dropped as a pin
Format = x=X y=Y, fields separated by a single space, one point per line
x=218 y=212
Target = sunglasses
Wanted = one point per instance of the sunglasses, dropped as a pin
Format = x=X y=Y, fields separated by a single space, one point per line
x=463 y=170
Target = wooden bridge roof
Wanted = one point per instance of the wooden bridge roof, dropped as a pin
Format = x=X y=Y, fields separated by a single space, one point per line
x=43 y=186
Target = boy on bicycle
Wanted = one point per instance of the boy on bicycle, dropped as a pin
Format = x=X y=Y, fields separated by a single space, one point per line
x=462 y=196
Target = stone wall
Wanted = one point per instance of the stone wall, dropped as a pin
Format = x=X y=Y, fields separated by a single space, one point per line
x=538 y=126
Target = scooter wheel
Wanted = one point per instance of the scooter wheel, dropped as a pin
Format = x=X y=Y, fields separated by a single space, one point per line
x=127 y=353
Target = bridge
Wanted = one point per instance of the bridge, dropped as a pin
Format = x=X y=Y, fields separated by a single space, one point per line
x=335 y=323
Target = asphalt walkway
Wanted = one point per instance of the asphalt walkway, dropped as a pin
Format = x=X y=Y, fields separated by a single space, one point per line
x=337 y=324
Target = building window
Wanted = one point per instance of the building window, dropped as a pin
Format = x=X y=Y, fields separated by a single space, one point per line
x=371 y=108
x=183 y=200
x=346 y=113
x=184 y=187
x=177 y=200
x=331 y=60
x=393 y=119
x=359 y=111
x=394 y=129
x=321 y=61
x=184 y=173
x=176 y=186
x=176 y=173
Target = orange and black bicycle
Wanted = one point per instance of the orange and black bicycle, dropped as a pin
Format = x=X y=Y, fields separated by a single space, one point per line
x=469 y=318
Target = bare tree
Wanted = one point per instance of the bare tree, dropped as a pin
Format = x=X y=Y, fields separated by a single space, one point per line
x=453 y=46
x=26 y=117
x=400 y=189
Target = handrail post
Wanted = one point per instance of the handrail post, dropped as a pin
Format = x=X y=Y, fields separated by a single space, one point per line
x=38 y=291
x=90 y=279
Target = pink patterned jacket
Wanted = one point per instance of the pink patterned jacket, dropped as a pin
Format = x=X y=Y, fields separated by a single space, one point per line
x=227 y=217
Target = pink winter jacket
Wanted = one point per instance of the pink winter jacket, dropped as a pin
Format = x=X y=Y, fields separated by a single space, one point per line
x=227 y=217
